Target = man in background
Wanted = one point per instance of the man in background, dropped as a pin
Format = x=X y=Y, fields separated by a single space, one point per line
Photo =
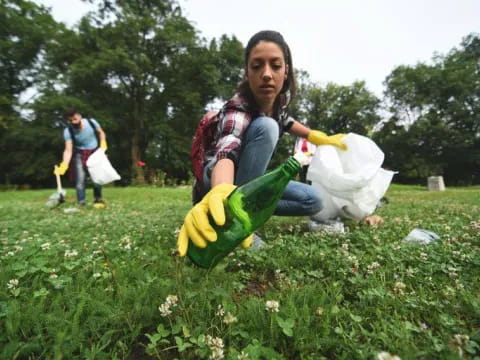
x=82 y=137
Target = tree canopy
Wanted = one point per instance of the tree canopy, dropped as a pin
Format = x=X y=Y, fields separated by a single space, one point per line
x=147 y=75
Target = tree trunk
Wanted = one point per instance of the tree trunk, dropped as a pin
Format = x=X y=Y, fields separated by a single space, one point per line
x=136 y=151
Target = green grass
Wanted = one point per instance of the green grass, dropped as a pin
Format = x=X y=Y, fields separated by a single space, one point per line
x=90 y=283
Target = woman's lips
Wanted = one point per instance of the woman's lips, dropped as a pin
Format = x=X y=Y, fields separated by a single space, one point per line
x=267 y=88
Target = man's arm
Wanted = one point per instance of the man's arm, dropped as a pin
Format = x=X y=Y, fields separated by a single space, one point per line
x=67 y=153
x=101 y=134
x=103 y=138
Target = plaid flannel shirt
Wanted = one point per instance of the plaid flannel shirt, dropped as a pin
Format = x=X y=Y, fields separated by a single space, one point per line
x=234 y=119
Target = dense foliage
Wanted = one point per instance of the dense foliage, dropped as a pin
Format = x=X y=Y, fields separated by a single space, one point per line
x=146 y=74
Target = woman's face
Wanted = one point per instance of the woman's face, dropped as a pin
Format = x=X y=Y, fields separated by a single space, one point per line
x=266 y=73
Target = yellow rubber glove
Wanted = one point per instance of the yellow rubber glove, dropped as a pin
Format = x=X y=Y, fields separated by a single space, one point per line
x=320 y=138
x=103 y=145
x=247 y=242
x=196 y=226
x=61 y=169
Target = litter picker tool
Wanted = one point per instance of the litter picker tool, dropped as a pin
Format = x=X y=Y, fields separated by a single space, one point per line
x=59 y=197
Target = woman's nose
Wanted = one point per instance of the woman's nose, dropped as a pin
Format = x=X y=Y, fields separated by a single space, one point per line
x=267 y=73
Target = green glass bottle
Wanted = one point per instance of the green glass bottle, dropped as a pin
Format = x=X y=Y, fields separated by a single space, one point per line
x=247 y=208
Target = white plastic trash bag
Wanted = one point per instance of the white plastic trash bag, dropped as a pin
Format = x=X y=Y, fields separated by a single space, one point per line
x=100 y=169
x=351 y=182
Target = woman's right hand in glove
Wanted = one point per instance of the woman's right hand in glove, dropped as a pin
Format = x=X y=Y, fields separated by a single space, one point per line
x=196 y=226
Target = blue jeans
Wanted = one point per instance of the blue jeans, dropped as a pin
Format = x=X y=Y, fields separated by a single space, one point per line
x=80 y=179
x=258 y=145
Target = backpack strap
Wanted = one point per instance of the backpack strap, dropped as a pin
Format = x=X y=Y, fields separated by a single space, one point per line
x=95 y=131
x=72 y=134
x=202 y=139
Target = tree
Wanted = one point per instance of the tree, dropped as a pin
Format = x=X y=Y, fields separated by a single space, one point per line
x=26 y=30
x=142 y=69
x=342 y=109
x=439 y=105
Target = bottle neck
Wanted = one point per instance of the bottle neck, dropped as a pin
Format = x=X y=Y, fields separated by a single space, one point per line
x=291 y=166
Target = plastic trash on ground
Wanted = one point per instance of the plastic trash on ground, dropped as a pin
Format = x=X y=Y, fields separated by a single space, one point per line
x=100 y=169
x=350 y=182
x=328 y=226
x=421 y=236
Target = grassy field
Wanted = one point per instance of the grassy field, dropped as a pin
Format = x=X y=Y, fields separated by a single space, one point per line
x=103 y=284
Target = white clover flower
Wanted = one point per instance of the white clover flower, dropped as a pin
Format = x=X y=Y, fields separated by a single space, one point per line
x=220 y=311
x=242 y=356
x=97 y=275
x=172 y=300
x=387 y=356
x=319 y=311
x=164 y=310
x=410 y=272
x=126 y=243
x=399 y=288
x=18 y=248
x=214 y=342
x=53 y=275
x=345 y=247
x=458 y=343
x=12 y=284
x=216 y=346
x=424 y=256
x=10 y=253
x=459 y=285
x=448 y=291
x=371 y=268
x=217 y=354
x=272 y=306
x=45 y=246
x=70 y=253
x=229 y=319
x=452 y=272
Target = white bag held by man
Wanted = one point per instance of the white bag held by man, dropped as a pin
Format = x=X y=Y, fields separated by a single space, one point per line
x=351 y=182
x=100 y=169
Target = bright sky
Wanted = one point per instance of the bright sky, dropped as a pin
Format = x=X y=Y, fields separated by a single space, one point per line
x=336 y=40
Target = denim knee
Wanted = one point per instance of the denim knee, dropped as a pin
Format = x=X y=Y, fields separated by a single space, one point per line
x=264 y=128
x=315 y=203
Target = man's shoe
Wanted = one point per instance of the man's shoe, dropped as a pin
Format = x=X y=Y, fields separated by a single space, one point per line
x=99 y=204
